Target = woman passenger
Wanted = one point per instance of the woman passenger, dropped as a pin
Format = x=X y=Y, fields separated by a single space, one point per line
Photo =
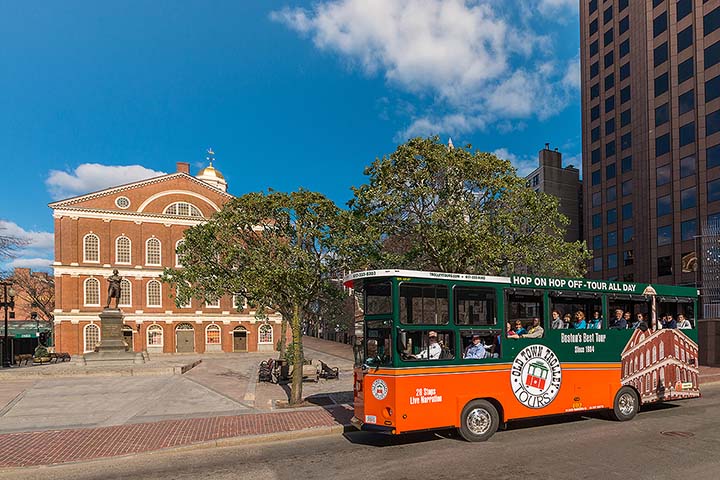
x=580 y=320
x=596 y=321
x=519 y=329
x=510 y=332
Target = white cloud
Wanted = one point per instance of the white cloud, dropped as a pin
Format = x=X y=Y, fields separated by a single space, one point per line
x=467 y=55
x=32 y=263
x=90 y=177
x=523 y=163
x=556 y=8
x=36 y=240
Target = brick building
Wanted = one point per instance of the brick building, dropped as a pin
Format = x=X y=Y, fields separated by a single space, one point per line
x=29 y=292
x=135 y=229
x=661 y=365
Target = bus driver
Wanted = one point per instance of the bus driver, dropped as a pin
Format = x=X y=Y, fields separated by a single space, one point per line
x=433 y=351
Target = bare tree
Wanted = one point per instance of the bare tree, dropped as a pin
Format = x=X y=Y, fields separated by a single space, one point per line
x=36 y=289
x=10 y=244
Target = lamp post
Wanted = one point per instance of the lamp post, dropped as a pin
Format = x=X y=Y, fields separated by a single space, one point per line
x=7 y=304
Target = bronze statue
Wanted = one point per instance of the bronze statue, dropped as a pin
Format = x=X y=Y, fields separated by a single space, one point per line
x=114 y=288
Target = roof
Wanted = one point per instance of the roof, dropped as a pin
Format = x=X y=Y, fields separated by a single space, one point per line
x=128 y=186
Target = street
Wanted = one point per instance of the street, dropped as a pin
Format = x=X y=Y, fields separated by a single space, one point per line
x=561 y=447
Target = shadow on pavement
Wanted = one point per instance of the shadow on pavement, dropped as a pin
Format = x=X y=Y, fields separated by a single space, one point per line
x=385 y=440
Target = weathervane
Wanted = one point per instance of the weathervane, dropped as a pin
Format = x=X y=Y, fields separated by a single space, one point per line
x=211 y=156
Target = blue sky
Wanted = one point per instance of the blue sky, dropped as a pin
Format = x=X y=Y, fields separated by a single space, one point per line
x=288 y=93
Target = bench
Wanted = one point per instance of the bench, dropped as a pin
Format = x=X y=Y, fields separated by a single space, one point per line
x=25 y=357
x=60 y=357
x=328 y=372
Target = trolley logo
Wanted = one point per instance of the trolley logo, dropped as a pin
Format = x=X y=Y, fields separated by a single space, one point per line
x=535 y=376
x=379 y=389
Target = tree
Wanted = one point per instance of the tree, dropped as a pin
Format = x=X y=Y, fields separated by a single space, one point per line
x=428 y=206
x=272 y=249
x=36 y=289
x=9 y=244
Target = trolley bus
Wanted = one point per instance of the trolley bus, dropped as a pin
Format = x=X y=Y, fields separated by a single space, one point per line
x=443 y=350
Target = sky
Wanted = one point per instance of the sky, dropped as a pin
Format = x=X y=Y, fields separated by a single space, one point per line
x=287 y=93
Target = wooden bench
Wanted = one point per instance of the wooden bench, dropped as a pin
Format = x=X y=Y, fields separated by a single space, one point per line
x=60 y=357
x=25 y=357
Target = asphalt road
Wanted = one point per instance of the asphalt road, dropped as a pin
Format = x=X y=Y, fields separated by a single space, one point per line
x=570 y=447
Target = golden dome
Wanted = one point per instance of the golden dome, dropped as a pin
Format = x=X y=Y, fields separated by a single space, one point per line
x=210 y=171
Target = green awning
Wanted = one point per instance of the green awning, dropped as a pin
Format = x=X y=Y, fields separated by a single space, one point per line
x=25 y=329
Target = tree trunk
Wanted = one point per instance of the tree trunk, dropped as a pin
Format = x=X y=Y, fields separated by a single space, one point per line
x=283 y=337
x=296 y=388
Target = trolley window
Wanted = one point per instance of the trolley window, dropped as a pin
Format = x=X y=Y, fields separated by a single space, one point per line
x=474 y=306
x=424 y=304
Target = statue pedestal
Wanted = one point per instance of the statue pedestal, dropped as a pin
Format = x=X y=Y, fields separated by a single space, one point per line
x=112 y=345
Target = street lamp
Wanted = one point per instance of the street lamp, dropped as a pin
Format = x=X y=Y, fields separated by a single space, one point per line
x=7 y=304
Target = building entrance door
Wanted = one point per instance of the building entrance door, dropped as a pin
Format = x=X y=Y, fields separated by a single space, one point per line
x=239 y=340
x=128 y=338
x=185 y=338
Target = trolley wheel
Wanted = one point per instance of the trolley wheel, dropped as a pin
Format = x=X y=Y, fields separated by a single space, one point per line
x=479 y=421
x=626 y=405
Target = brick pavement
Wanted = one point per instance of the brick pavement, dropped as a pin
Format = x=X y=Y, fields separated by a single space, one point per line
x=61 y=446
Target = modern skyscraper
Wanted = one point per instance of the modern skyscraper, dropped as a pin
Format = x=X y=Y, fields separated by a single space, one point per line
x=651 y=134
x=564 y=183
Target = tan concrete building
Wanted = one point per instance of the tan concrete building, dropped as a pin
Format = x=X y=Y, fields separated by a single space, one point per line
x=564 y=183
x=135 y=228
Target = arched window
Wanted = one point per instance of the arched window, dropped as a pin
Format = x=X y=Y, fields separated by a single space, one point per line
x=186 y=305
x=91 y=334
x=152 y=252
x=662 y=349
x=122 y=250
x=265 y=334
x=125 y=293
x=91 y=248
x=154 y=294
x=177 y=257
x=155 y=336
x=183 y=209
x=92 y=292
x=654 y=354
x=647 y=357
x=212 y=335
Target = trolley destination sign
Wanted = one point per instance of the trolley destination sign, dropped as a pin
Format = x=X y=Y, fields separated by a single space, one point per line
x=575 y=284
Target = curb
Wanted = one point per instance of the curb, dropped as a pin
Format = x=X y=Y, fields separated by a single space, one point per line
x=220 y=442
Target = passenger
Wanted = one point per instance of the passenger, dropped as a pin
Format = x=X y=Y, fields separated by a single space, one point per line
x=596 y=321
x=640 y=322
x=683 y=322
x=557 y=322
x=627 y=316
x=510 y=332
x=669 y=322
x=433 y=351
x=567 y=320
x=519 y=329
x=619 y=321
x=476 y=349
x=535 y=331
x=580 y=320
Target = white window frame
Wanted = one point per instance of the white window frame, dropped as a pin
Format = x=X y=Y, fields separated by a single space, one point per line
x=123 y=283
x=216 y=328
x=162 y=335
x=85 y=292
x=177 y=257
x=235 y=305
x=147 y=294
x=187 y=305
x=147 y=252
x=117 y=250
x=176 y=210
x=85 y=249
x=265 y=326
x=213 y=305
x=85 y=338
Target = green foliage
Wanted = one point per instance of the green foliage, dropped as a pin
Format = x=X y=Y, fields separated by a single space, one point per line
x=429 y=207
x=272 y=250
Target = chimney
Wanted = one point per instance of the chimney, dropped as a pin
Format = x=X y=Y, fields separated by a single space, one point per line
x=183 y=167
